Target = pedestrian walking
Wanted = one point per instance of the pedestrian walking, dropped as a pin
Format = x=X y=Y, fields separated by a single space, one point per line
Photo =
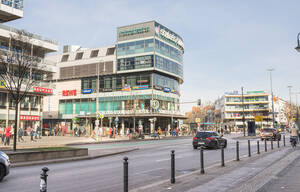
x=2 y=134
x=7 y=135
x=31 y=135
x=20 y=135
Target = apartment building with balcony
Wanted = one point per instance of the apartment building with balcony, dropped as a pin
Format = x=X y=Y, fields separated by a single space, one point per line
x=30 y=109
x=255 y=104
x=134 y=84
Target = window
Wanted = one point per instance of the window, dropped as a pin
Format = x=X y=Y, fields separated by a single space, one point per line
x=64 y=58
x=135 y=63
x=3 y=100
x=110 y=51
x=94 y=53
x=79 y=56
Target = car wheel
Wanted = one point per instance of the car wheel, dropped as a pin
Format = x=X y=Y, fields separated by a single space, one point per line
x=195 y=147
x=2 y=172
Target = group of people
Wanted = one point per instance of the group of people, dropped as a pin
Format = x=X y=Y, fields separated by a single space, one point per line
x=6 y=134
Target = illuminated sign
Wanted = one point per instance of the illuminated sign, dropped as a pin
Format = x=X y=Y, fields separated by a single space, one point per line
x=126 y=88
x=134 y=31
x=139 y=87
x=167 y=89
x=69 y=92
x=29 y=118
x=42 y=90
x=2 y=84
x=87 y=91
x=170 y=37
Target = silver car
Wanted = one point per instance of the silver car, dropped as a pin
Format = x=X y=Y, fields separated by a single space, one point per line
x=4 y=165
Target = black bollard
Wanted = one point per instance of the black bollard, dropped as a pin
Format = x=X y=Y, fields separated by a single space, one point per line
x=284 y=140
x=201 y=161
x=125 y=163
x=172 y=166
x=278 y=145
x=222 y=157
x=249 y=149
x=43 y=184
x=272 y=143
x=266 y=145
x=258 y=147
x=237 y=151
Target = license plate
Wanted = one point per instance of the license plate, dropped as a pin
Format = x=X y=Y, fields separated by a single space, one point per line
x=201 y=143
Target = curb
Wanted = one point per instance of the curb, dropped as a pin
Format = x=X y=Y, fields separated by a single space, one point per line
x=133 y=140
x=70 y=159
x=216 y=165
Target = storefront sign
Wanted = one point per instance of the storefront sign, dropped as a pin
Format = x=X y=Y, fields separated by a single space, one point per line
x=139 y=87
x=167 y=89
x=158 y=87
x=42 y=90
x=2 y=84
x=142 y=81
x=173 y=91
x=133 y=31
x=170 y=37
x=87 y=91
x=69 y=92
x=126 y=88
x=255 y=92
x=29 y=118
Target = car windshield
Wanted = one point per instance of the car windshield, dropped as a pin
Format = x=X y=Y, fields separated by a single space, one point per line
x=206 y=134
x=268 y=130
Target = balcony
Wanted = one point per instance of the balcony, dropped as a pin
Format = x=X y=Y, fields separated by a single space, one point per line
x=11 y=10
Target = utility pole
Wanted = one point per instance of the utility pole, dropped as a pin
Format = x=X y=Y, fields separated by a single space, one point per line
x=244 y=128
x=273 y=115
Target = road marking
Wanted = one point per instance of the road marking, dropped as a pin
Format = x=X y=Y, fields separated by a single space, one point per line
x=160 y=160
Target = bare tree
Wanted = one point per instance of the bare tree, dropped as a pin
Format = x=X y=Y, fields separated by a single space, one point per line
x=20 y=71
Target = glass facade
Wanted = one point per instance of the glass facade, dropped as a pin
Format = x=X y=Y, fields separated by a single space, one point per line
x=169 y=66
x=132 y=63
x=163 y=81
x=142 y=46
x=168 y=51
x=247 y=99
x=17 y=4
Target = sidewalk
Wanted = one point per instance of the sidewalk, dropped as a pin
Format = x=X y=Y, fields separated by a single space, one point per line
x=248 y=175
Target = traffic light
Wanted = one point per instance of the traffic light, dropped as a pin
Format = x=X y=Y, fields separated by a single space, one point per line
x=199 y=102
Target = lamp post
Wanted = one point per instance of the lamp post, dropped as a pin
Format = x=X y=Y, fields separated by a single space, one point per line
x=290 y=87
x=244 y=128
x=298 y=44
x=273 y=115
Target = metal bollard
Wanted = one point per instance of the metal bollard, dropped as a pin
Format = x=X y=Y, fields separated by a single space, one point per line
x=284 y=140
x=237 y=151
x=201 y=161
x=249 y=149
x=258 y=152
x=278 y=145
x=43 y=184
x=172 y=166
x=266 y=145
x=222 y=157
x=272 y=143
x=125 y=163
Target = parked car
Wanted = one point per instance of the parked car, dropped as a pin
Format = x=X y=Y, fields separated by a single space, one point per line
x=270 y=133
x=4 y=165
x=209 y=139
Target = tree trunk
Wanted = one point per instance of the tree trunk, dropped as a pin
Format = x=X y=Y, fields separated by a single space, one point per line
x=15 y=126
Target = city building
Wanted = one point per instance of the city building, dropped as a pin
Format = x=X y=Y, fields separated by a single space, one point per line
x=257 y=107
x=30 y=109
x=134 y=84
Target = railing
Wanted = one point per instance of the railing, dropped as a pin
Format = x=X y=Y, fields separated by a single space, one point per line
x=11 y=29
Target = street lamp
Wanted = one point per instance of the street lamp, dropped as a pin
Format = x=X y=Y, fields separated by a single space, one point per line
x=290 y=87
x=273 y=115
x=298 y=45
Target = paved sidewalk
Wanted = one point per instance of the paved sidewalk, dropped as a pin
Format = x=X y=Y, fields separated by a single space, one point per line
x=247 y=175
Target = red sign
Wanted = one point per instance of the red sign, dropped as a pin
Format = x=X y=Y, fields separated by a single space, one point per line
x=29 y=118
x=69 y=92
x=42 y=90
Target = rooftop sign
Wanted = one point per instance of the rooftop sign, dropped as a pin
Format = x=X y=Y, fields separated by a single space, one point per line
x=134 y=31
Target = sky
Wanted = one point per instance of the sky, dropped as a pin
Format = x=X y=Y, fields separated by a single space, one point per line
x=228 y=44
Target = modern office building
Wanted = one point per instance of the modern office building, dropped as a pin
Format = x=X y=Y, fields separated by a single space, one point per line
x=135 y=84
x=30 y=109
x=257 y=106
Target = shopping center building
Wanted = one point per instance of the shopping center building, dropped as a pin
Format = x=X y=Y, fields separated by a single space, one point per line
x=30 y=109
x=135 y=84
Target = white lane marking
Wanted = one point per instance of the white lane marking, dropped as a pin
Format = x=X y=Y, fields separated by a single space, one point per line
x=160 y=160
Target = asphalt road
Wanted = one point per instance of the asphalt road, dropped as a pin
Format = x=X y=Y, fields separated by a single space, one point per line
x=148 y=165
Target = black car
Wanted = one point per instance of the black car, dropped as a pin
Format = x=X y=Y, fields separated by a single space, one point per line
x=209 y=139
x=4 y=165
